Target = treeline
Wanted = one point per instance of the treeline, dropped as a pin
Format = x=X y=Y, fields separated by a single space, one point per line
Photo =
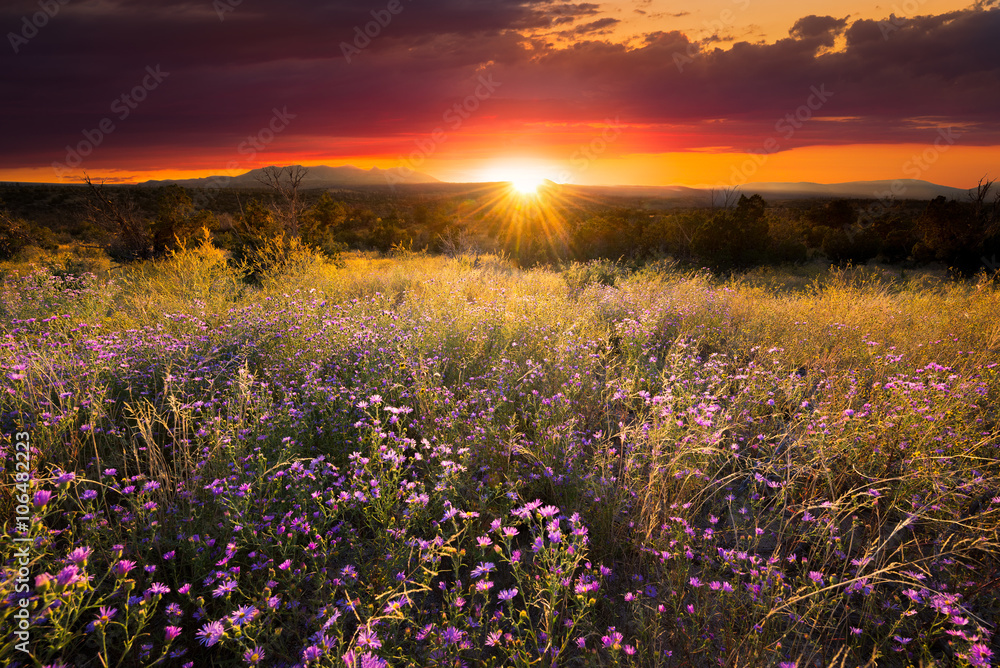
x=134 y=223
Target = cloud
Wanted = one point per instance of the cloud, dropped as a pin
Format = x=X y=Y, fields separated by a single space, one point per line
x=226 y=77
x=600 y=26
x=817 y=26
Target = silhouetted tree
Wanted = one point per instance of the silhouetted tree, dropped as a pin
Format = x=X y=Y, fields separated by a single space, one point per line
x=320 y=225
x=735 y=239
x=176 y=219
x=119 y=216
x=286 y=181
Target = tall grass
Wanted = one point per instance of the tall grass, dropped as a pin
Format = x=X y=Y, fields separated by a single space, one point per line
x=325 y=463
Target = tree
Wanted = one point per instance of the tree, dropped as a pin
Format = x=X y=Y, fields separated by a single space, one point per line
x=118 y=215
x=961 y=234
x=176 y=219
x=737 y=238
x=17 y=234
x=321 y=225
x=285 y=181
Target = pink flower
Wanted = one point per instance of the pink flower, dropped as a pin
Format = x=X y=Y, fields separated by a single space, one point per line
x=122 y=567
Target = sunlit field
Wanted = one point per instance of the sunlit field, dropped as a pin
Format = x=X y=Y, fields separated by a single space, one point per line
x=451 y=461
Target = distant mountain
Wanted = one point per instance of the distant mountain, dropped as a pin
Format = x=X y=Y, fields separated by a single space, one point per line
x=320 y=176
x=323 y=176
x=899 y=189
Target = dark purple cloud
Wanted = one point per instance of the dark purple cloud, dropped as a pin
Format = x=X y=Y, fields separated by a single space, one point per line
x=225 y=77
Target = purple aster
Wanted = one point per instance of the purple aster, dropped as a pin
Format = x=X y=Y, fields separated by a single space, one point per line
x=548 y=511
x=105 y=615
x=482 y=569
x=211 y=633
x=79 y=555
x=158 y=589
x=243 y=614
x=613 y=640
x=42 y=497
x=979 y=655
x=253 y=656
x=224 y=589
x=171 y=632
x=122 y=567
x=507 y=594
x=368 y=639
x=68 y=576
x=451 y=635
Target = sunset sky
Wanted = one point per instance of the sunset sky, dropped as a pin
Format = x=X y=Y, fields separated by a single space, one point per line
x=643 y=92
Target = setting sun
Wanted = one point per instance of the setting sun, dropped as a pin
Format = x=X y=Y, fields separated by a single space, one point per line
x=526 y=185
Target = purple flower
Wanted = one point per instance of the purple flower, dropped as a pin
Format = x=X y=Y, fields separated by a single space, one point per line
x=105 y=615
x=253 y=656
x=79 y=555
x=68 y=576
x=979 y=655
x=368 y=639
x=158 y=589
x=451 y=635
x=311 y=653
x=548 y=511
x=816 y=577
x=224 y=589
x=122 y=567
x=243 y=614
x=482 y=569
x=211 y=633
x=613 y=640
x=171 y=632
x=507 y=594
x=42 y=497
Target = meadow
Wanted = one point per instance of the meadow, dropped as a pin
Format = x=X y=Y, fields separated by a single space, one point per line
x=423 y=461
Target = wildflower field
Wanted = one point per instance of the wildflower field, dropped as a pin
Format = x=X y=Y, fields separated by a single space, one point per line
x=431 y=461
